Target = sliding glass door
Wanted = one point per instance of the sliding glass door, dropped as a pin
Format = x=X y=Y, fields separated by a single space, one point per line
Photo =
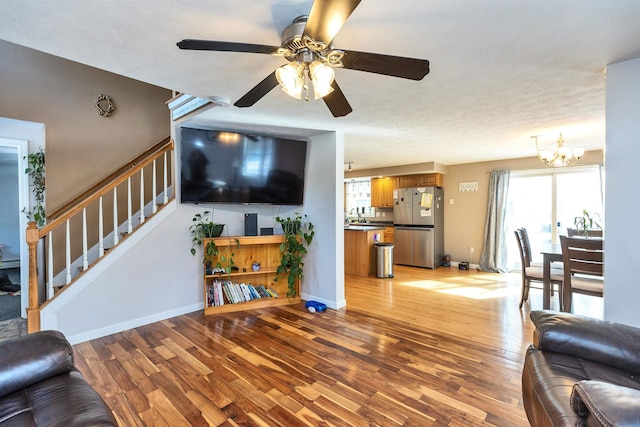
x=546 y=203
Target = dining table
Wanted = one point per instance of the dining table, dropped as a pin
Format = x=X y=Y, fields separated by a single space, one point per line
x=551 y=252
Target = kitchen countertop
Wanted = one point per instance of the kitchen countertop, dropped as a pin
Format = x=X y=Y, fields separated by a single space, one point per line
x=362 y=227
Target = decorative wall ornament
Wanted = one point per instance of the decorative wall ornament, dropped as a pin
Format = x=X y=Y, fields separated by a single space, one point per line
x=104 y=105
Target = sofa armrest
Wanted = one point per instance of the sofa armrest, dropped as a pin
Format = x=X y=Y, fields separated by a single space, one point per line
x=605 y=404
x=33 y=358
x=601 y=341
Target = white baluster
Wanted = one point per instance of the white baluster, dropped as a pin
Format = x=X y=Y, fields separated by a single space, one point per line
x=68 y=253
x=129 y=224
x=166 y=196
x=50 y=267
x=116 y=235
x=154 y=189
x=141 y=196
x=85 y=260
x=100 y=230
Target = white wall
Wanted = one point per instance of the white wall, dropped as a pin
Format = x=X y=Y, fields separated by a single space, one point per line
x=622 y=151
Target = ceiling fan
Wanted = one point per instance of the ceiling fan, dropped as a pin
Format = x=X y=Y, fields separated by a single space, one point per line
x=306 y=44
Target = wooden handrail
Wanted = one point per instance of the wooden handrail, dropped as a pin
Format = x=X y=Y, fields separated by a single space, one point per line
x=114 y=178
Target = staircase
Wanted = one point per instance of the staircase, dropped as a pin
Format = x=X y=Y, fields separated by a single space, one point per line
x=80 y=234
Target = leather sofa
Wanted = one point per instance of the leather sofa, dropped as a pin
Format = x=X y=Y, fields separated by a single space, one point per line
x=40 y=386
x=581 y=371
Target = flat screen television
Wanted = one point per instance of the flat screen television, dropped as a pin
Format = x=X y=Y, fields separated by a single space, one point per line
x=232 y=167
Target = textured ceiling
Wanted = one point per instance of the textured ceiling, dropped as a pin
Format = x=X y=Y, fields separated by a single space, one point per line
x=501 y=71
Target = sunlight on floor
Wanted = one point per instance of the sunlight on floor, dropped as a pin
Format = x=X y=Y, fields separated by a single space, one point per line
x=469 y=287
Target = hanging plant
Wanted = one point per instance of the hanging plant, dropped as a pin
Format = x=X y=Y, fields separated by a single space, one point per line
x=36 y=172
x=298 y=234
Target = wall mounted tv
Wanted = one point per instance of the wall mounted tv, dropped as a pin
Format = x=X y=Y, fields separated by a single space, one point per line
x=231 y=167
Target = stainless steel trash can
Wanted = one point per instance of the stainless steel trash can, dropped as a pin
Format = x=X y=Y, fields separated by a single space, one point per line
x=384 y=260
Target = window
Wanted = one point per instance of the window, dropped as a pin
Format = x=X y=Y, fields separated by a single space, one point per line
x=358 y=198
x=546 y=203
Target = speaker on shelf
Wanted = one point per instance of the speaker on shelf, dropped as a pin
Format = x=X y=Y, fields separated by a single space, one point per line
x=266 y=231
x=250 y=224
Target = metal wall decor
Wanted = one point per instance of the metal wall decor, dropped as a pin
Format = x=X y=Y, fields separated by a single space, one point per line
x=104 y=105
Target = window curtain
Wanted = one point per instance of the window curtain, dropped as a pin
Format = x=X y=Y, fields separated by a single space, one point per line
x=494 y=251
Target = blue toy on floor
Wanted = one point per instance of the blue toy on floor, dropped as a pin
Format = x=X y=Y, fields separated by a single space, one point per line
x=315 y=306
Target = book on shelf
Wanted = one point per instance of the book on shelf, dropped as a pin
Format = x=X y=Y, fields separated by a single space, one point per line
x=245 y=292
x=219 y=293
x=227 y=292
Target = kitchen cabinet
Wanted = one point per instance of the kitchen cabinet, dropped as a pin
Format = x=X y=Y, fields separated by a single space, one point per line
x=421 y=180
x=388 y=234
x=359 y=250
x=382 y=191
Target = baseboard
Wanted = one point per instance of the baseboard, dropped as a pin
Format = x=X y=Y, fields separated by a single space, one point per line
x=471 y=266
x=331 y=304
x=131 y=324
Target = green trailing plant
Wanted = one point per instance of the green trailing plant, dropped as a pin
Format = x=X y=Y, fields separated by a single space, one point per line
x=587 y=221
x=298 y=234
x=204 y=227
x=36 y=171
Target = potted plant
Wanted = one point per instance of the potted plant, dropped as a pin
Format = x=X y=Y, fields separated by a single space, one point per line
x=36 y=172
x=585 y=222
x=298 y=234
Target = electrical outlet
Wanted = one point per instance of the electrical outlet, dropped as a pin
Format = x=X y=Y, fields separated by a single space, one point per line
x=471 y=250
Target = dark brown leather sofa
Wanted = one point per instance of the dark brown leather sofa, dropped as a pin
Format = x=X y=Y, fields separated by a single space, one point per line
x=581 y=371
x=39 y=385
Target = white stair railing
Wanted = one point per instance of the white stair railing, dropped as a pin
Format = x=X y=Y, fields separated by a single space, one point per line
x=89 y=209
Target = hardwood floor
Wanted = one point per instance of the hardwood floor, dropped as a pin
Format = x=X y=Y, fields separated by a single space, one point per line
x=442 y=348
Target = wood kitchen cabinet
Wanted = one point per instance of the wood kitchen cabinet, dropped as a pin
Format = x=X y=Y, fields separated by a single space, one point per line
x=421 y=180
x=388 y=234
x=382 y=191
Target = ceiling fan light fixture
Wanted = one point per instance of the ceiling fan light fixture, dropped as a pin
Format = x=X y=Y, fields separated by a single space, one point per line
x=322 y=77
x=290 y=78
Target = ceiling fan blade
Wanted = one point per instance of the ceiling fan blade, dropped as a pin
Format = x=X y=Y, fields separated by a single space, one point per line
x=327 y=18
x=337 y=102
x=193 y=44
x=258 y=91
x=395 y=66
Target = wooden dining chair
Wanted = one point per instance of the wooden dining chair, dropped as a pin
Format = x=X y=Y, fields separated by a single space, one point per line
x=532 y=273
x=583 y=260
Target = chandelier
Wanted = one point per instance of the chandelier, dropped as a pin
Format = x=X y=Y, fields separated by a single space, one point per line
x=562 y=156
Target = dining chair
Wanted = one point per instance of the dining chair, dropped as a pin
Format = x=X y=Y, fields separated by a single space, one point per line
x=583 y=260
x=574 y=232
x=533 y=273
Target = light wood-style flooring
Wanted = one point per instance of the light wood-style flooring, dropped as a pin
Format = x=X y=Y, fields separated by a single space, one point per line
x=437 y=347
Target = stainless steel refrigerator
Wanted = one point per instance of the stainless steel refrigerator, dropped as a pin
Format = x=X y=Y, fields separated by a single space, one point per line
x=418 y=218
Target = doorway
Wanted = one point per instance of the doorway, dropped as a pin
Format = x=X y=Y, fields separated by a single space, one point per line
x=19 y=138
